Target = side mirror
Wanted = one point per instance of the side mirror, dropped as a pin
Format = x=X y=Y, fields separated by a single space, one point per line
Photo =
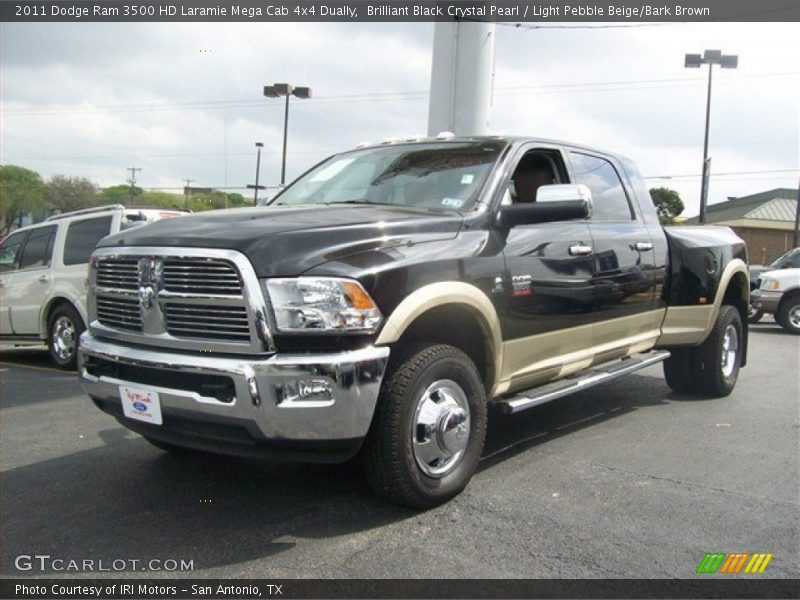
x=564 y=191
x=561 y=202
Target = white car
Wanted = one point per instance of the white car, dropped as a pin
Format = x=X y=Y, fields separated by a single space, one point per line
x=43 y=275
x=779 y=294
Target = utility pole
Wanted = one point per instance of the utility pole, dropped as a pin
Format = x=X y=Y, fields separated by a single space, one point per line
x=186 y=191
x=132 y=181
x=257 y=187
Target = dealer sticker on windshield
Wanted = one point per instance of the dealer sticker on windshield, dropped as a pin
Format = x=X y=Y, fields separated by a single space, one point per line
x=452 y=202
x=141 y=404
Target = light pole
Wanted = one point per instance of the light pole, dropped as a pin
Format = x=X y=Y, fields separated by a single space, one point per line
x=276 y=90
x=257 y=187
x=695 y=61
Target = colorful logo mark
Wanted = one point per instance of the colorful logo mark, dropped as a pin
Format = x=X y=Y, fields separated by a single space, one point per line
x=734 y=563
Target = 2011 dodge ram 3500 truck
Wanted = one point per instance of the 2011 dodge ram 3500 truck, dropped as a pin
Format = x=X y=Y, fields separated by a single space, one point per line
x=386 y=298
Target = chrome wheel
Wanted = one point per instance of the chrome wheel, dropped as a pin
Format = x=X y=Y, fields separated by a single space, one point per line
x=794 y=316
x=441 y=428
x=730 y=347
x=63 y=338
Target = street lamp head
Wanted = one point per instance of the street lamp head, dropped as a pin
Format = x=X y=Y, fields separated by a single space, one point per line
x=276 y=90
x=302 y=92
x=712 y=57
x=259 y=144
x=693 y=61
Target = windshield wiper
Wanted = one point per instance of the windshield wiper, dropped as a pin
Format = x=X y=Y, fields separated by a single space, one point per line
x=361 y=201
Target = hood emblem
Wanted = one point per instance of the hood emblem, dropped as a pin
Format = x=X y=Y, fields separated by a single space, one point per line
x=147 y=296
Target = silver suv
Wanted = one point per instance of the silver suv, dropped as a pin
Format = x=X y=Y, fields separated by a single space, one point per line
x=43 y=276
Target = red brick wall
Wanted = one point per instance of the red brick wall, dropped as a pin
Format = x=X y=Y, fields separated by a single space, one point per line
x=765 y=245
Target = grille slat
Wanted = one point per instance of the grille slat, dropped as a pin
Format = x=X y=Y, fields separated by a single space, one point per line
x=208 y=322
x=119 y=273
x=201 y=276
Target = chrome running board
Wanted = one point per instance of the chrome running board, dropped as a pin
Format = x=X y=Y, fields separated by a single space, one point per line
x=580 y=381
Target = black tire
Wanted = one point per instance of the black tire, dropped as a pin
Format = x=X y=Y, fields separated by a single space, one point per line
x=710 y=368
x=788 y=315
x=64 y=328
x=754 y=314
x=679 y=370
x=389 y=459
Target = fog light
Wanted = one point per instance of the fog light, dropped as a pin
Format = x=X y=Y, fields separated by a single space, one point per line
x=314 y=391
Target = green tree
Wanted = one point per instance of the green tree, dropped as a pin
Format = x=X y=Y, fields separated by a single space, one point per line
x=71 y=193
x=668 y=203
x=119 y=194
x=21 y=191
x=155 y=199
x=216 y=200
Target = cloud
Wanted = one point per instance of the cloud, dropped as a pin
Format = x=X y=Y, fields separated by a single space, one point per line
x=184 y=100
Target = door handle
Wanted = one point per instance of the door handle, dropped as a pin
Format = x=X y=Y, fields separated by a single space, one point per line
x=43 y=279
x=644 y=246
x=580 y=250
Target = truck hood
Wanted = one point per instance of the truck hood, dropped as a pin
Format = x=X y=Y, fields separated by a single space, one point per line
x=285 y=241
x=786 y=277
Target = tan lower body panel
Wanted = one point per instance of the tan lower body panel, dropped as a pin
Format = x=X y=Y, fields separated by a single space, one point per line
x=540 y=358
x=686 y=325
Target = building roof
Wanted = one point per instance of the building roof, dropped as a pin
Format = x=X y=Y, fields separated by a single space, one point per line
x=778 y=204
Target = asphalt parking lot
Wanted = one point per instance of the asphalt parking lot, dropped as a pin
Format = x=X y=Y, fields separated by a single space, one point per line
x=625 y=480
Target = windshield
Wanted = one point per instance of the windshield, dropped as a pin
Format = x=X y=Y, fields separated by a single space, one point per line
x=433 y=175
x=785 y=258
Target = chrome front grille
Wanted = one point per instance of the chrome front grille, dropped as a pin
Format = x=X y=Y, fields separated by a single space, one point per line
x=119 y=273
x=208 y=322
x=201 y=276
x=185 y=298
x=122 y=313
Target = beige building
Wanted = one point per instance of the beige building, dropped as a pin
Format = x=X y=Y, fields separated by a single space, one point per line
x=765 y=221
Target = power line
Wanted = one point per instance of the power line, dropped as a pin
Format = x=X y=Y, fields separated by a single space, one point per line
x=377 y=96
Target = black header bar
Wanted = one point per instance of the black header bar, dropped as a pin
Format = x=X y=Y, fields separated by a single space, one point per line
x=207 y=589
x=357 y=11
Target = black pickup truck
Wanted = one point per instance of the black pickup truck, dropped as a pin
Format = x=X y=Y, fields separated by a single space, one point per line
x=391 y=295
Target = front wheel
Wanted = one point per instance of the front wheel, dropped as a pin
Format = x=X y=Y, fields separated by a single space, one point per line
x=429 y=427
x=720 y=356
x=754 y=314
x=789 y=314
x=64 y=328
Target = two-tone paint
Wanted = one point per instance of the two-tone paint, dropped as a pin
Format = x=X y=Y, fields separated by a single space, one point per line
x=538 y=310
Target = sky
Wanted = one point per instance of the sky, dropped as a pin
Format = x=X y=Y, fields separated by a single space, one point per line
x=184 y=101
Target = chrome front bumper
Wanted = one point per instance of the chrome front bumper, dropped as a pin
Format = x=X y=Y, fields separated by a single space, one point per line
x=298 y=401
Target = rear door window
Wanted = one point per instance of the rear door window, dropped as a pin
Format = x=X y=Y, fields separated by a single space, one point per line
x=608 y=194
x=82 y=237
x=38 y=250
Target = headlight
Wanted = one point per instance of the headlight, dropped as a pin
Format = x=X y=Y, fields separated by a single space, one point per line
x=770 y=284
x=324 y=304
